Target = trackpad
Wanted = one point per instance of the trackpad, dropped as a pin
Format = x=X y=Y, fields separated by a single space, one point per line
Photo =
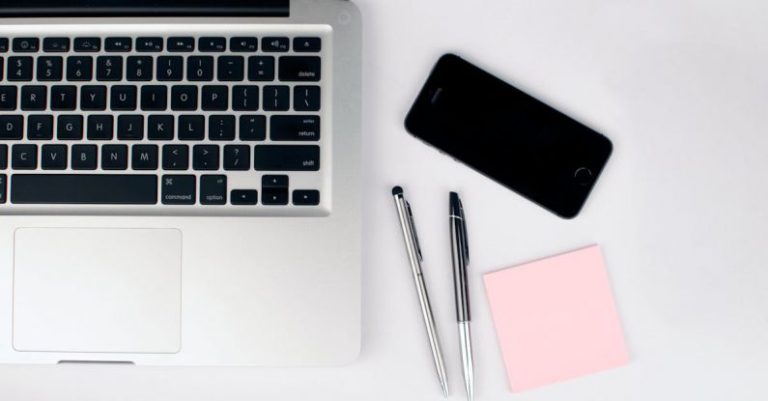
x=97 y=290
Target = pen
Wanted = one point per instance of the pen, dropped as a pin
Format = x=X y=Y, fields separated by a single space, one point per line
x=460 y=257
x=415 y=258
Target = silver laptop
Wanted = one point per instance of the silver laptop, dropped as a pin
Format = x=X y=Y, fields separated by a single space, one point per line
x=180 y=182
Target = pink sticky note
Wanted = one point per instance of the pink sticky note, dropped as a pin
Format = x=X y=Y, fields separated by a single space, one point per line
x=556 y=319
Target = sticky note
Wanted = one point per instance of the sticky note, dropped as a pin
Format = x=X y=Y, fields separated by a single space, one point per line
x=556 y=319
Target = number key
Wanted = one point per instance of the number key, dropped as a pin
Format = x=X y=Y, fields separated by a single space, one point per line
x=79 y=68
x=169 y=68
x=139 y=68
x=109 y=68
x=20 y=68
x=49 y=68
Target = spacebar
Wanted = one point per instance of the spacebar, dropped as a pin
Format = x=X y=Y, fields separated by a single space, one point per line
x=89 y=189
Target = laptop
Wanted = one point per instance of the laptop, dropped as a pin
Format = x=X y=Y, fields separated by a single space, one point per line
x=180 y=182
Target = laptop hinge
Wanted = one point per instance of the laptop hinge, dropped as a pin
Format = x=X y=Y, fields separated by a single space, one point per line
x=144 y=8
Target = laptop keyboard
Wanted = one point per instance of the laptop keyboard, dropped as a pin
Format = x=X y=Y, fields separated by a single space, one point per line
x=163 y=121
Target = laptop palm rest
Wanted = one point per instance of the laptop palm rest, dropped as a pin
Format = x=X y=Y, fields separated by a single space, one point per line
x=97 y=290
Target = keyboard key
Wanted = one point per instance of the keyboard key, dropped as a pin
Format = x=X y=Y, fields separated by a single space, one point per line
x=243 y=44
x=53 y=157
x=20 y=68
x=200 y=68
x=84 y=157
x=139 y=68
x=221 y=128
x=39 y=127
x=210 y=44
x=2 y=68
x=11 y=127
x=213 y=189
x=178 y=189
x=154 y=97
x=261 y=68
x=274 y=190
x=253 y=128
x=304 y=197
x=305 y=44
x=69 y=127
x=144 y=157
x=175 y=157
x=276 y=98
x=34 y=97
x=286 y=158
x=93 y=97
x=244 y=196
x=114 y=157
x=215 y=97
x=184 y=97
x=294 y=128
x=121 y=44
x=169 y=68
x=205 y=157
x=3 y=45
x=79 y=68
x=191 y=128
x=160 y=127
x=152 y=44
x=230 y=68
x=100 y=127
x=274 y=44
x=109 y=68
x=56 y=45
x=3 y=156
x=8 y=97
x=299 y=68
x=130 y=127
x=123 y=97
x=50 y=68
x=245 y=97
x=84 y=189
x=87 y=44
x=237 y=157
x=306 y=98
x=181 y=44
x=3 y=193
x=274 y=181
x=26 y=45
x=24 y=157
x=63 y=97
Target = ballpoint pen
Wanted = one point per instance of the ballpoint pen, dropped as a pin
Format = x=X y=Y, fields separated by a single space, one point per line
x=460 y=257
x=415 y=258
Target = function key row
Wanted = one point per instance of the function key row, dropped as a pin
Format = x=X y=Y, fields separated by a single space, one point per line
x=164 y=68
x=156 y=44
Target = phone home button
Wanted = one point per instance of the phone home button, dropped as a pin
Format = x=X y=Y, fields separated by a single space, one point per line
x=583 y=176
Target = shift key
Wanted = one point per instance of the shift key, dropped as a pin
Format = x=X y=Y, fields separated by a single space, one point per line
x=286 y=158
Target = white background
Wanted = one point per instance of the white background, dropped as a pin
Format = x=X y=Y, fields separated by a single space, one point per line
x=681 y=89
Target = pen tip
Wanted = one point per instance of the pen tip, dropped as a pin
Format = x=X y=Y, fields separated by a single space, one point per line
x=397 y=190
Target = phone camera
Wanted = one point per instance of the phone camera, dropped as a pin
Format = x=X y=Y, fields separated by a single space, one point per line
x=583 y=176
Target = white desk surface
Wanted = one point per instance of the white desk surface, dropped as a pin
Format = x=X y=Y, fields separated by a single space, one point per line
x=680 y=87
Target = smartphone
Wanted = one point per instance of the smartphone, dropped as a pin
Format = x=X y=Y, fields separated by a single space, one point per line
x=508 y=135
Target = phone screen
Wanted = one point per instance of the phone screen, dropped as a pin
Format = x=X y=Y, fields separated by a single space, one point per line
x=508 y=135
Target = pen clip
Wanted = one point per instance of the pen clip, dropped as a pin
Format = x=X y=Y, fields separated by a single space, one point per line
x=464 y=237
x=413 y=229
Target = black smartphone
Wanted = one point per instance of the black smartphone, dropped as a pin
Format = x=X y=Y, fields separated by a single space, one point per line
x=508 y=135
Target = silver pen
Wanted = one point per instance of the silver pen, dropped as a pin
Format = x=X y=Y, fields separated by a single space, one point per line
x=414 y=256
x=460 y=257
